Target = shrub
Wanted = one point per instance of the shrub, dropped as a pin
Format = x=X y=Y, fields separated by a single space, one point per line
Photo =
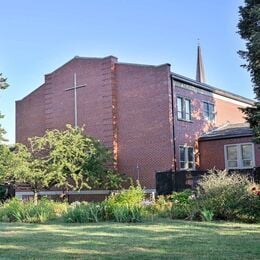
x=184 y=205
x=127 y=213
x=132 y=196
x=160 y=207
x=228 y=196
x=180 y=211
x=183 y=197
x=207 y=215
x=84 y=212
x=125 y=206
x=18 y=211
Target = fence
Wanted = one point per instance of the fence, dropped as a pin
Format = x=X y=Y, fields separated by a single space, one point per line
x=169 y=181
x=6 y=192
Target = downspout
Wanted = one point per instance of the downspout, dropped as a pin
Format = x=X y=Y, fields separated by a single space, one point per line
x=173 y=127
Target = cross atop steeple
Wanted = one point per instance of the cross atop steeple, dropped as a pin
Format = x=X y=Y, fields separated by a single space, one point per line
x=200 y=74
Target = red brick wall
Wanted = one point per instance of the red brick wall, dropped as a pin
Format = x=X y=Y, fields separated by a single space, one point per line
x=228 y=111
x=188 y=132
x=126 y=106
x=144 y=121
x=212 y=152
x=30 y=115
x=52 y=107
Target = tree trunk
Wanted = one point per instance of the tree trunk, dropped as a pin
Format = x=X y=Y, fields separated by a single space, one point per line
x=35 y=197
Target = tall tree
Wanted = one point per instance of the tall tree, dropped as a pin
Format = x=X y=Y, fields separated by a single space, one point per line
x=249 y=30
x=3 y=85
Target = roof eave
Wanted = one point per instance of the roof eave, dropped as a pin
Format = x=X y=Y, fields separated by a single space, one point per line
x=212 y=138
x=212 y=89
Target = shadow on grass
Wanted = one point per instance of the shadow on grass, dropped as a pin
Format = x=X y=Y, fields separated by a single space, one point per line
x=164 y=239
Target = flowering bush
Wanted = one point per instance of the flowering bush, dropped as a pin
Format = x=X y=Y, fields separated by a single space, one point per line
x=229 y=196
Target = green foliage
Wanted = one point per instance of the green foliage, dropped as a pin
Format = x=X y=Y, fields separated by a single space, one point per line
x=125 y=206
x=180 y=211
x=24 y=165
x=66 y=159
x=134 y=195
x=160 y=207
x=252 y=115
x=3 y=85
x=184 y=205
x=77 y=160
x=127 y=213
x=3 y=82
x=207 y=215
x=84 y=212
x=18 y=211
x=10 y=164
x=249 y=30
x=2 y=131
x=112 y=180
x=228 y=196
x=183 y=197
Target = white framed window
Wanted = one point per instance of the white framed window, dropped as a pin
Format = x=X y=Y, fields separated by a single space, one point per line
x=183 y=108
x=209 y=111
x=186 y=157
x=239 y=156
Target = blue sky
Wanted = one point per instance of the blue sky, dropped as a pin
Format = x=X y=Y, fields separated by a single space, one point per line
x=39 y=36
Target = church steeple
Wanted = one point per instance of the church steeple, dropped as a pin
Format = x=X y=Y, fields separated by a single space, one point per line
x=200 y=74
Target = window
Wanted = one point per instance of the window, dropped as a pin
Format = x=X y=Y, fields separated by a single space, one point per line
x=184 y=108
x=239 y=156
x=186 y=158
x=209 y=111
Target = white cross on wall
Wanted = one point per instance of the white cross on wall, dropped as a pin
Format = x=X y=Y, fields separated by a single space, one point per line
x=75 y=87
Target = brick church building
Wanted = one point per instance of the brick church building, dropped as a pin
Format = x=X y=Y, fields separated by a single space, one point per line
x=150 y=117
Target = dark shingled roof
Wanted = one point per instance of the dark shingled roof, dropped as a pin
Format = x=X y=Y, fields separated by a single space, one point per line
x=228 y=131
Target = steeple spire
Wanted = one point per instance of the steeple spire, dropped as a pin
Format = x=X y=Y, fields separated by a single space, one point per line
x=200 y=74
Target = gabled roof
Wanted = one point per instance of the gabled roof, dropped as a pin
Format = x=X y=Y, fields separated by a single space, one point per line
x=228 y=131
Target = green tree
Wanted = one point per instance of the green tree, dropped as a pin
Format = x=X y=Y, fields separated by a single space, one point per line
x=249 y=30
x=24 y=165
x=65 y=159
x=79 y=161
x=3 y=85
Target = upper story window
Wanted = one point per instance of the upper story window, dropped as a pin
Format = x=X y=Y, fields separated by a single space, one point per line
x=239 y=156
x=209 y=111
x=183 y=108
x=186 y=157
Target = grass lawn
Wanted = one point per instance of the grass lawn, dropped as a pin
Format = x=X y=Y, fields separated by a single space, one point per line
x=162 y=239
